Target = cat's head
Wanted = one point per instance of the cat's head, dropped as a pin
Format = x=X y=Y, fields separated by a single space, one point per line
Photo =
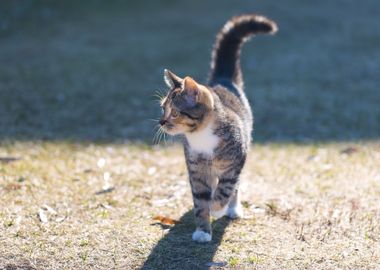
x=187 y=105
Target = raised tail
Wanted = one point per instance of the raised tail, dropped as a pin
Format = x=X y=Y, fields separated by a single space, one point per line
x=225 y=63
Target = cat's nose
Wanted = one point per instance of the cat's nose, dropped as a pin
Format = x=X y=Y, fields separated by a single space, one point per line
x=163 y=122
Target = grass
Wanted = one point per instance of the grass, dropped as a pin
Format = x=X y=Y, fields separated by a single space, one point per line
x=317 y=211
x=80 y=181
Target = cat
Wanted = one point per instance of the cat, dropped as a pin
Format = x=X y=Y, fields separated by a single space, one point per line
x=216 y=122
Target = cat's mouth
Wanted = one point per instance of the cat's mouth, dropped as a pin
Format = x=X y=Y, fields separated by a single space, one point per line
x=168 y=126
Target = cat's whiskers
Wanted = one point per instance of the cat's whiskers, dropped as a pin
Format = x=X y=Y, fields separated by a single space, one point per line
x=159 y=95
x=165 y=138
x=156 y=134
x=163 y=134
x=154 y=120
x=161 y=131
x=159 y=135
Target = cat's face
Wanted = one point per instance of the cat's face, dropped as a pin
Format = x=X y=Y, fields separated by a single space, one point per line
x=186 y=106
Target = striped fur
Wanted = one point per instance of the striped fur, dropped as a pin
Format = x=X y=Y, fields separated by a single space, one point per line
x=225 y=63
x=216 y=123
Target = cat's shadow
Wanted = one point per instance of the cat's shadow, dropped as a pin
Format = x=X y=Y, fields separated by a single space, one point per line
x=176 y=250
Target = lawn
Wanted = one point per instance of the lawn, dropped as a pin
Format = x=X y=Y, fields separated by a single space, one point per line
x=81 y=181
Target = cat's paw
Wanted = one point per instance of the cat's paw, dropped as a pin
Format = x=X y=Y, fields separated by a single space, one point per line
x=201 y=236
x=235 y=211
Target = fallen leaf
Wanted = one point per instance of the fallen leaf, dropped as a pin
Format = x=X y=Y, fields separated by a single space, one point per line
x=166 y=220
x=8 y=159
x=349 y=150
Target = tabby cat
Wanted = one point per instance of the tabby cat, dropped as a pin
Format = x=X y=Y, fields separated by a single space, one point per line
x=216 y=121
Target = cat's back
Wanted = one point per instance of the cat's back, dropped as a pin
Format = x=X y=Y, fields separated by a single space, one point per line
x=233 y=100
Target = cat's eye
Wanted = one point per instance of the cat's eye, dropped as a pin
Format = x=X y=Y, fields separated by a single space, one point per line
x=174 y=113
x=189 y=116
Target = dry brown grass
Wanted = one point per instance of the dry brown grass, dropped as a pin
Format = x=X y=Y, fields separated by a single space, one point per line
x=307 y=207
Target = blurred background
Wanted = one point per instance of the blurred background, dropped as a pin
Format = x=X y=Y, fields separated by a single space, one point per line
x=89 y=70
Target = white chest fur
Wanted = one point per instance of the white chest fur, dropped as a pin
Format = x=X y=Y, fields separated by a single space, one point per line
x=203 y=141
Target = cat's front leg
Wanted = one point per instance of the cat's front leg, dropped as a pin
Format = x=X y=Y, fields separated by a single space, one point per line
x=201 y=191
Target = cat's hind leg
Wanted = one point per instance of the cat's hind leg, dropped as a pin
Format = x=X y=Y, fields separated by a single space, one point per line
x=225 y=199
x=235 y=209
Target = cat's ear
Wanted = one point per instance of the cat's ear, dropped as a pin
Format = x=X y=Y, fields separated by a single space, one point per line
x=191 y=90
x=172 y=80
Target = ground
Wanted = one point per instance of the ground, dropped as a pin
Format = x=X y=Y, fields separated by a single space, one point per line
x=306 y=206
x=81 y=180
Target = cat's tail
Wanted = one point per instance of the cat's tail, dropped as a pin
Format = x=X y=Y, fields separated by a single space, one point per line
x=225 y=63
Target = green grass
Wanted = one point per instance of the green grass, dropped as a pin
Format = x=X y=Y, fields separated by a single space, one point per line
x=77 y=85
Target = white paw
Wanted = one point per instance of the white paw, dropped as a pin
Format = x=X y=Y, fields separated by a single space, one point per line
x=235 y=211
x=201 y=236
x=219 y=213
